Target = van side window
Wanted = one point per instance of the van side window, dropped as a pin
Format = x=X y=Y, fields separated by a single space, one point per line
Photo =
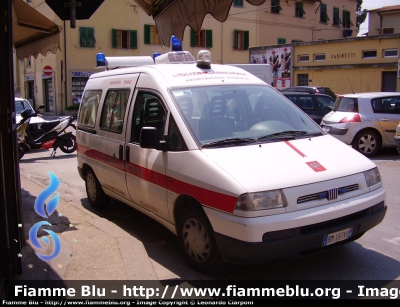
x=88 y=108
x=175 y=139
x=113 y=113
x=148 y=112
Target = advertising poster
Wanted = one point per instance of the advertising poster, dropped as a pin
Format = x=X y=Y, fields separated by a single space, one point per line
x=280 y=61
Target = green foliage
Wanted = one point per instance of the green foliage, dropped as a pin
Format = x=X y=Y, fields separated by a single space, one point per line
x=72 y=107
x=361 y=15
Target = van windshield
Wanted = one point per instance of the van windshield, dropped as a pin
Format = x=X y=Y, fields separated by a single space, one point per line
x=235 y=115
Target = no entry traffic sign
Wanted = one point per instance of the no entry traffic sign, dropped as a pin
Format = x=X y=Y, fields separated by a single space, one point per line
x=47 y=70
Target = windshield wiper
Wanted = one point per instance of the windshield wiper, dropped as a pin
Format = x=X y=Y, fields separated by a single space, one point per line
x=283 y=134
x=228 y=141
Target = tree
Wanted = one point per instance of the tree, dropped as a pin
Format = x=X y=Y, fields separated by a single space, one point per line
x=361 y=15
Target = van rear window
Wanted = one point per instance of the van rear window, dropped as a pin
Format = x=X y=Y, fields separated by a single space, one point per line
x=88 y=108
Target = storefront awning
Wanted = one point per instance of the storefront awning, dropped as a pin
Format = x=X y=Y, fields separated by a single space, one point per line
x=33 y=33
x=172 y=16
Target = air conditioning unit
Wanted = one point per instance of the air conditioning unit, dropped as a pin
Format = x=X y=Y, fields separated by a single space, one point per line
x=347 y=33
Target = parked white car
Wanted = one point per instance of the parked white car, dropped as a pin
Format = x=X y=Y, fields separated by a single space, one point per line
x=35 y=122
x=366 y=121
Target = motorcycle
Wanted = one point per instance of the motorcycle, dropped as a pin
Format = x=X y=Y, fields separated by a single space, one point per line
x=54 y=135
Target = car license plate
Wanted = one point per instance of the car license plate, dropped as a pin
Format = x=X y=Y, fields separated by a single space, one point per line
x=337 y=236
x=327 y=129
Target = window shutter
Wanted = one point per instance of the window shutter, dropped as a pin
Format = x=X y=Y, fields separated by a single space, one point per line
x=147 y=34
x=113 y=38
x=208 y=38
x=81 y=36
x=193 y=39
x=235 y=39
x=246 y=40
x=133 y=39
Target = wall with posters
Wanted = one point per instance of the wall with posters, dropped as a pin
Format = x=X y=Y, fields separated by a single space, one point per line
x=281 y=64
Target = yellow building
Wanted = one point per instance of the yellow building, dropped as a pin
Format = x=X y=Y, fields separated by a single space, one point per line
x=357 y=64
x=121 y=28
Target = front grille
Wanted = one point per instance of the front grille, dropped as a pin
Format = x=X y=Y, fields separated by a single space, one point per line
x=328 y=194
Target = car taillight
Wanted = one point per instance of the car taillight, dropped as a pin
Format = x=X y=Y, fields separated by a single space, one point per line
x=354 y=118
x=317 y=90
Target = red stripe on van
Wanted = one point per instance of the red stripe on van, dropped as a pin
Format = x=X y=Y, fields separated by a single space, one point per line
x=206 y=197
x=295 y=149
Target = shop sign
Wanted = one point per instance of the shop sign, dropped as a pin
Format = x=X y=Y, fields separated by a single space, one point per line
x=86 y=74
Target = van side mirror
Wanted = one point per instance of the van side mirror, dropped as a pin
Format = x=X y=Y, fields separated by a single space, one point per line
x=149 y=139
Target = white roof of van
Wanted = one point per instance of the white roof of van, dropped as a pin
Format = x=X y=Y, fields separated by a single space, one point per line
x=189 y=74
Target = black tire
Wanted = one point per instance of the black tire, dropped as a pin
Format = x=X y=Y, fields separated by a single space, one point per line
x=21 y=150
x=398 y=150
x=196 y=239
x=367 y=142
x=97 y=198
x=69 y=149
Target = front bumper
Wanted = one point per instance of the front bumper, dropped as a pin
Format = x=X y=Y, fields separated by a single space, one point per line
x=299 y=241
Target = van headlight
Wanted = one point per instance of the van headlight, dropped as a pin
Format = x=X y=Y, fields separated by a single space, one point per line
x=261 y=201
x=372 y=177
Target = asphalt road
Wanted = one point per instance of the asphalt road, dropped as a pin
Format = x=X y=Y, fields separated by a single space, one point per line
x=375 y=256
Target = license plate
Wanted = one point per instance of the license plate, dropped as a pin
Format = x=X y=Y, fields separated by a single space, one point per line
x=327 y=129
x=337 y=236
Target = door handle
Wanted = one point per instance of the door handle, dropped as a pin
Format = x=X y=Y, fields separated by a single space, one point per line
x=385 y=119
x=127 y=151
x=120 y=152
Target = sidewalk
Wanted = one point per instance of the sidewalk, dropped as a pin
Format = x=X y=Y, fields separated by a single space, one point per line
x=93 y=248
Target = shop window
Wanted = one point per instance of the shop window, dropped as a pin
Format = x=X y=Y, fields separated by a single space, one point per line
x=78 y=85
x=151 y=35
x=299 y=11
x=88 y=108
x=302 y=79
x=275 y=6
x=124 y=39
x=368 y=54
x=240 y=40
x=238 y=3
x=303 y=58
x=113 y=113
x=281 y=40
x=323 y=13
x=202 y=39
x=346 y=19
x=319 y=57
x=336 y=18
x=390 y=53
x=87 y=39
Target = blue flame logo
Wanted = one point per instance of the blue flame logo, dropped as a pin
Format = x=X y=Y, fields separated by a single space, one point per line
x=41 y=210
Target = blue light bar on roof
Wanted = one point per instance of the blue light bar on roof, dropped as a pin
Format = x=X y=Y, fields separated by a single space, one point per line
x=176 y=44
x=101 y=60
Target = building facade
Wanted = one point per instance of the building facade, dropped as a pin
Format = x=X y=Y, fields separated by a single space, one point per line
x=357 y=64
x=121 y=28
x=384 y=20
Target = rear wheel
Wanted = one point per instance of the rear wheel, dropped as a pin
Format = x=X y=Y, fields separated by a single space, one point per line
x=367 y=142
x=69 y=149
x=97 y=197
x=196 y=239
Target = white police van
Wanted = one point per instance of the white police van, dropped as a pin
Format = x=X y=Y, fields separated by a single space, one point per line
x=221 y=159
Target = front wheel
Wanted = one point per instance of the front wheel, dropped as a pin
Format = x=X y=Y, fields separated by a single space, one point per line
x=97 y=198
x=69 y=149
x=196 y=239
x=367 y=142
